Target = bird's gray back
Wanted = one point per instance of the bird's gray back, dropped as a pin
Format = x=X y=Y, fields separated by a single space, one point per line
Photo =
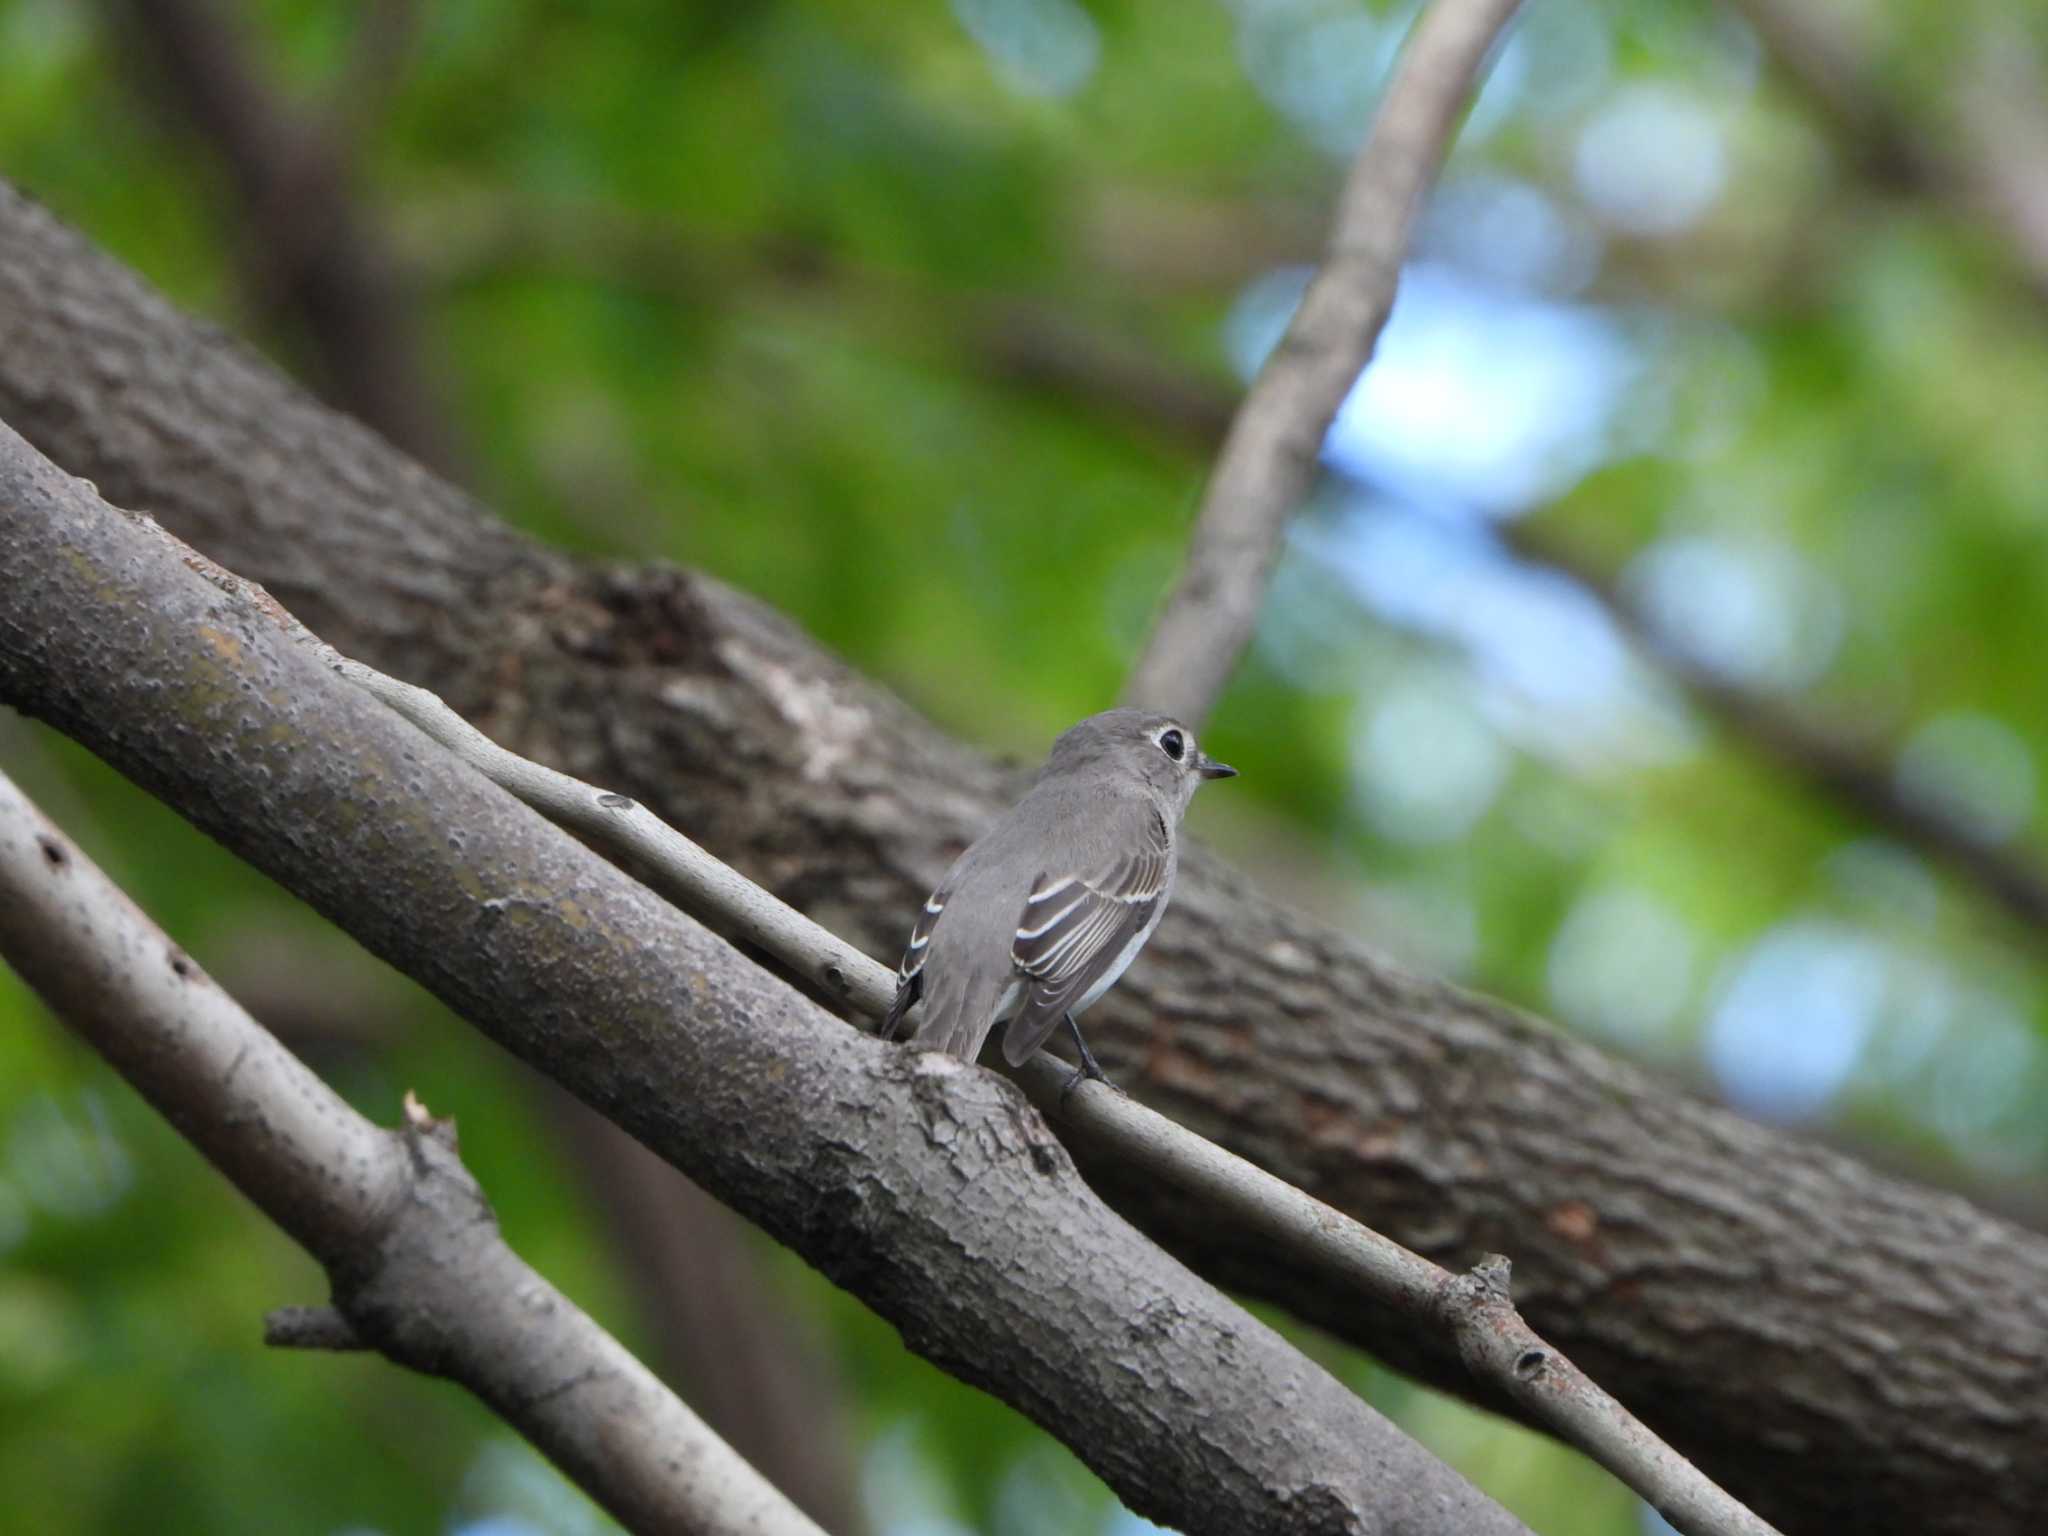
x=971 y=982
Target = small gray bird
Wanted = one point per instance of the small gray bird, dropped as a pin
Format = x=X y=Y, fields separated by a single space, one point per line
x=1040 y=916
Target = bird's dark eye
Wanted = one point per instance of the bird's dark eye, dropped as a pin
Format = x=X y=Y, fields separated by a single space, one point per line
x=1171 y=743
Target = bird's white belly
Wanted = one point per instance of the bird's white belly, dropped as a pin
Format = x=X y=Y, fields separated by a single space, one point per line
x=1122 y=962
x=1011 y=1000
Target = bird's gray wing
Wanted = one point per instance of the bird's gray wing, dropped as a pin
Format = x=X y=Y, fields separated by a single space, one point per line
x=1079 y=927
x=910 y=970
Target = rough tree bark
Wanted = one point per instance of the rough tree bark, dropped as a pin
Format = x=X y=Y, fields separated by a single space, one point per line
x=1839 y=1349
x=928 y=1188
x=1097 y=1122
x=766 y=1379
x=416 y=1262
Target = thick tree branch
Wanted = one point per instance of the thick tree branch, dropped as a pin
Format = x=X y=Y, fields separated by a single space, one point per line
x=1269 y=457
x=1506 y=1358
x=1508 y=1361
x=320 y=259
x=925 y=1186
x=1874 y=1345
x=419 y=1269
x=761 y=1372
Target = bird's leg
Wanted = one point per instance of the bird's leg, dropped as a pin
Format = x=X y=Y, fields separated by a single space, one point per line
x=1089 y=1068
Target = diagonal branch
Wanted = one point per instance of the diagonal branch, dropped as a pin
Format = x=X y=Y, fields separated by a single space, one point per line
x=1843 y=772
x=1989 y=161
x=312 y=261
x=926 y=1187
x=1458 y=1125
x=419 y=1269
x=762 y=1373
x=1508 y=1361
x=1269 y=458
x=321 y=253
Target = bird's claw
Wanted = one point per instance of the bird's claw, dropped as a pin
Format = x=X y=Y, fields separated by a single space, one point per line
x=1079 y=1076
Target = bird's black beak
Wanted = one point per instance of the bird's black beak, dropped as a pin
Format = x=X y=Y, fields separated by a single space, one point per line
x=1209 y=768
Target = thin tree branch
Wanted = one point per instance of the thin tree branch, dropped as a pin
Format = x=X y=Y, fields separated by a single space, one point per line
x=1502 y=1351
x=1010 y=337
x=316 y=267
x=1269 y=457
x=1998 y=105
x=925 y=1186
x=312 y=1328
x=364 y=85
x=321 y=260
x=762 y=1372
x=419 y=1269
x=1993 y=167
x=1843 y=772
x=1456 y=1123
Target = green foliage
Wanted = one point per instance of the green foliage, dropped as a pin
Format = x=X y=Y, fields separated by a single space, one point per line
x=728 y=285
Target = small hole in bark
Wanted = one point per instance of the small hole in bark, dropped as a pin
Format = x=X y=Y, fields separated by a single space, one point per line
x=180 y=965
x=1530 y=1362
x=53 y=853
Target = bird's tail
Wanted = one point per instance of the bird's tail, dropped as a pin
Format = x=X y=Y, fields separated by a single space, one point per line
x=960 y=1008
x=908 y=990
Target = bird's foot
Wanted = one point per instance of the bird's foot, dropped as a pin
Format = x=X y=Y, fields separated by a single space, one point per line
x=1090 y=1070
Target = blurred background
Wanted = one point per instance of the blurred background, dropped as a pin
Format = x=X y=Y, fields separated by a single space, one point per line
x=1662 y=649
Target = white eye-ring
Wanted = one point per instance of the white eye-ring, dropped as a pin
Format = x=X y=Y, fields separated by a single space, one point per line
x=1173 y=744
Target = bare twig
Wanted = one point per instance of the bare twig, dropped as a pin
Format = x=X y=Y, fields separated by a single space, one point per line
x=1498 y=1346
x=315 y=262
x=419 y=1269
x=924 y=1186
x=1455 y=1121
x=1557 y=1395
x=1993 y=166
x=312 y=1328
x=1269 y=458
x=1846 y=772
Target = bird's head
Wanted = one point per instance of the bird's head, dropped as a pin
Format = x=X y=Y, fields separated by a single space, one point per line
x=1153 y=749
